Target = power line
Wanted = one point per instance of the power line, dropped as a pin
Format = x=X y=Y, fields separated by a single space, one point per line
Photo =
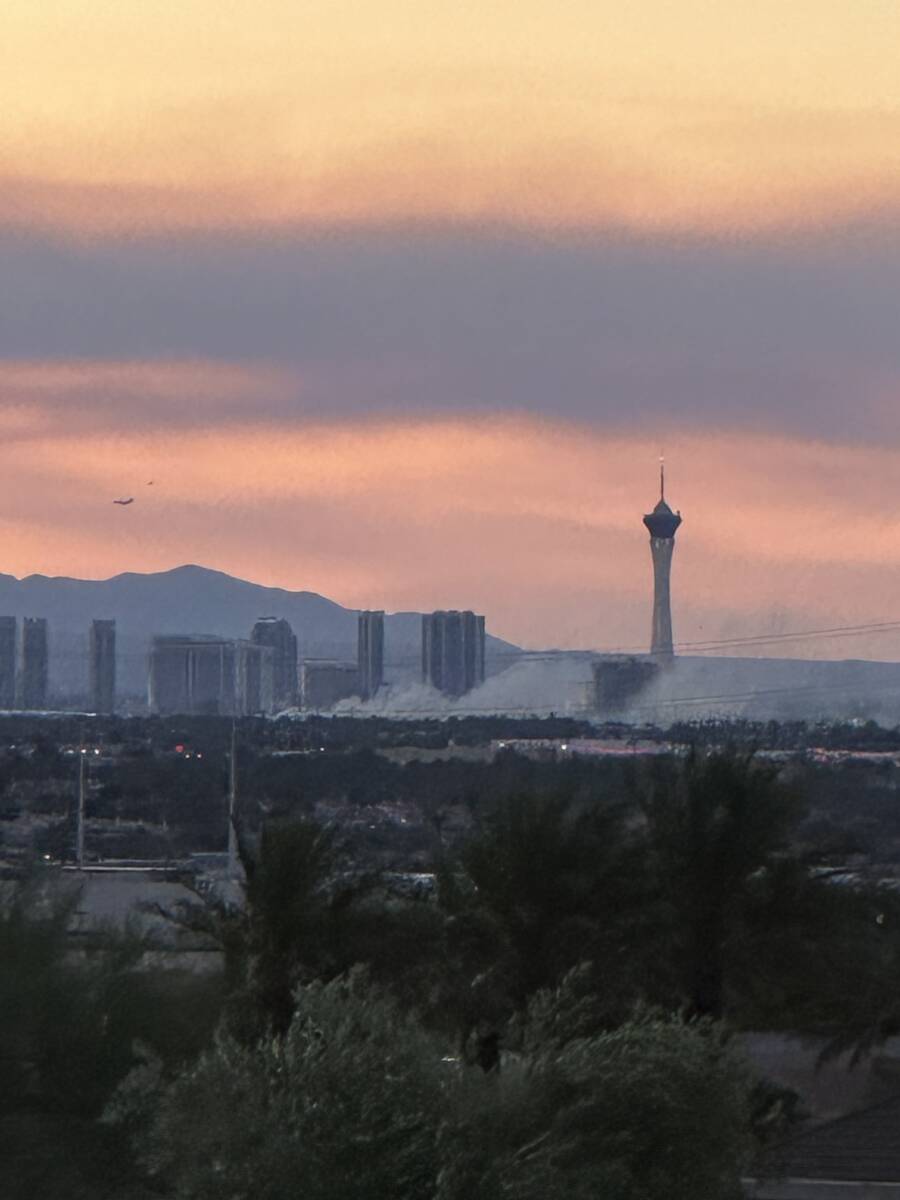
x=795 y=690
x=760 y=639
x=752 y=639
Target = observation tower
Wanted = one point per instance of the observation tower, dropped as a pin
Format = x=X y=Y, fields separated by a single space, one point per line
x=662 y=524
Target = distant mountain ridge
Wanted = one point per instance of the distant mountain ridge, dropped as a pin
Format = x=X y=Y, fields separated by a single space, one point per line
x=193 y=599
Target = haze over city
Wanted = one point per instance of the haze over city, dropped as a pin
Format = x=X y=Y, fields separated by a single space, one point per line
x=400 y=305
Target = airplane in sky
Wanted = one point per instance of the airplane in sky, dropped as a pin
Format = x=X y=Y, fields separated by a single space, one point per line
x=130 y=500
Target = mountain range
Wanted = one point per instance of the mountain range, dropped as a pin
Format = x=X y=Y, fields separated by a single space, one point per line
x=191 y=600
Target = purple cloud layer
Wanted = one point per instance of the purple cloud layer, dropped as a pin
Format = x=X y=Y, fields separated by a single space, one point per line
x=633 y=335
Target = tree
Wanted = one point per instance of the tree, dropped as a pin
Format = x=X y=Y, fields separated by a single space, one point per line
x=547 y=883
x=34 y=920
x=302 y=914
x=346 y=1103
x=357 y=1099
x=307 y=917
x=656 y=1109
x=71 y=1016
x=718 y=825
x=858 y=929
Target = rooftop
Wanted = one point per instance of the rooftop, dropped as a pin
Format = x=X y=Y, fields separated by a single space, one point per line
x=858 y=1149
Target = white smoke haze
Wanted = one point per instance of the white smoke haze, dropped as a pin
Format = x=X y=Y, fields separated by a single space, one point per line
x=697 y=688
x=690 y=688
x=532 y=687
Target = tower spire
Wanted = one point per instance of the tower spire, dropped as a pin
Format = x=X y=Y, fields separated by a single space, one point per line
x=662 y=476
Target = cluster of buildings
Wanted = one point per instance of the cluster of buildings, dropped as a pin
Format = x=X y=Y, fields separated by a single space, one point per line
x=263 y=674
x=325 y=681
x=205 y=673
x=452 y=660
x=25 y=662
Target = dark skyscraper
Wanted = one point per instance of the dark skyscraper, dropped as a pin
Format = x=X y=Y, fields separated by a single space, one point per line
x=102 y=658
x=209 y=675
x=370 y=653
x=7 y=662
x=277 y=634
x=453 y=651
x=326 y=682
x=34 y=663
x=662 y=524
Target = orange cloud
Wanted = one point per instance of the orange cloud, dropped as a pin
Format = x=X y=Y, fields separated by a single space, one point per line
x=187 y=380
x=68 y=396
x=690 y=184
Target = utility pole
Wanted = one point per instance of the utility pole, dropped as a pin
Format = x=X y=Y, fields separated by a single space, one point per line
x=232 y=805
x=79 y=826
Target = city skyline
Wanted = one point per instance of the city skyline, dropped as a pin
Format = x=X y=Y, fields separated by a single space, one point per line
x=432 y=342
x=798 y=549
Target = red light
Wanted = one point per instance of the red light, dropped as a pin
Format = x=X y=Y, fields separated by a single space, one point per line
x=179 y=749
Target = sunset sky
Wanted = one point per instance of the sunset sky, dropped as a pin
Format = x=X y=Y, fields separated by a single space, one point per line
x=399 y=301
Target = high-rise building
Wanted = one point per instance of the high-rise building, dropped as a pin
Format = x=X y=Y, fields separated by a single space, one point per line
x=618 y=679
x=662 y=524
x=7 y=662
x=324 y=682
x=453 y=651
x=255 y=671
x=370 y=652
x=211 y=675
x=102 y=664
x=35 y=663
x=277 y=634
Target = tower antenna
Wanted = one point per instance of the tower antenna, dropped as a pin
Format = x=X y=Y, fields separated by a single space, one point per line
x=662 y=476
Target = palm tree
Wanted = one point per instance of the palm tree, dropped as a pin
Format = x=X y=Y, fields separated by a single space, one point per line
x=548 y=883
x=718 y=824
